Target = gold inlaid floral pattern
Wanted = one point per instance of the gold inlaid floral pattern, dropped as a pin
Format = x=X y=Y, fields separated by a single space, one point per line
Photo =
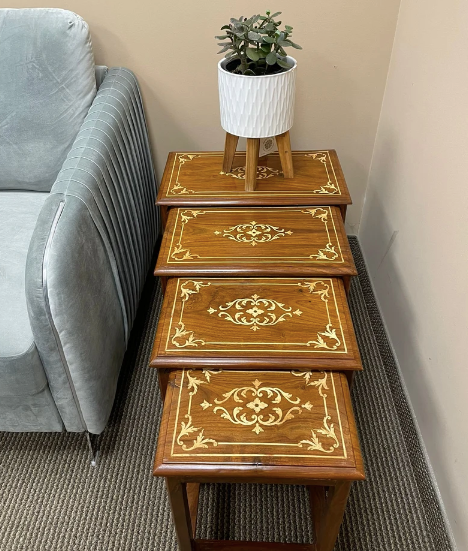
x=188 y=248
x=254 y=233
x=258 y=393
x=183 y=337
x=328 y=428
x=328 y=252
x=250 y=312
x=263 y=172
x=186 y=427
x=178 y=188
x=211 y=162
x=330 y=187
x=255 y=312
x=327 y=339
x=259 y=407
x=179 y=252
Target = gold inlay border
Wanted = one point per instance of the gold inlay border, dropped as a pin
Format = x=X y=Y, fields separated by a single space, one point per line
x=204 y=439
x=175 y=188
x=192 y=342
x=184 y=215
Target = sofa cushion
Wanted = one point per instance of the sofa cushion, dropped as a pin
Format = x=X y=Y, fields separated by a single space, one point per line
x=21 y=371
x=47 y=85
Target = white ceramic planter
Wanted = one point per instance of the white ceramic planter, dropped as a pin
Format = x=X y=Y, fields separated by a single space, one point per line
x=257 y=106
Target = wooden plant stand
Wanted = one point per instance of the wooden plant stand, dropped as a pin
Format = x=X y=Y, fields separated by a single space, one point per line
x=297 y=428
x=283 y=142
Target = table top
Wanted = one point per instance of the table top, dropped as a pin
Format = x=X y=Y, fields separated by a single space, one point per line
x=196 y=179
x=262 y=241
x=267 y=323
x=246 y=420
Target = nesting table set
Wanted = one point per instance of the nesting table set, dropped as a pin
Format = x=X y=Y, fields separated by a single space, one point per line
x=255 y=346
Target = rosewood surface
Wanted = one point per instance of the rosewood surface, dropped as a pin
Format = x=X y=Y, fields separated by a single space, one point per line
x=259 y=418
x=194 y=179
x=266 y=241
x=267 y=323
x=271 y=427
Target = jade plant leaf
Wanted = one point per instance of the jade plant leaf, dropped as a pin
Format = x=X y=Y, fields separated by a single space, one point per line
x=258 y=43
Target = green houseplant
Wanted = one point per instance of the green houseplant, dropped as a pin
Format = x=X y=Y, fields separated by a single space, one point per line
x=256 y=77
x=256 y=45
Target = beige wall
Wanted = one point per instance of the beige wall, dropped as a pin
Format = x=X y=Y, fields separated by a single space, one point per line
x=170 y=46
x=414 y=232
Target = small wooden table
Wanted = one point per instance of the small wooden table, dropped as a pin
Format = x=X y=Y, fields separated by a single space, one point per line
x=255 y=323
x=255 y=241
x=283 y=427
x=196 y=179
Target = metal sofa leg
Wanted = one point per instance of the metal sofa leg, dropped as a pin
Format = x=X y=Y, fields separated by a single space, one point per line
x=92 y=440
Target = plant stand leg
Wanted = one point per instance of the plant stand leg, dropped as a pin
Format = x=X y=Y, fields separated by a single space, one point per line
x=230 y=146
x=284 y=149
x=253 y=149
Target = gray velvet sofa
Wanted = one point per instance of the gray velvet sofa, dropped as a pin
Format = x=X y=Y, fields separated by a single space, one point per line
x=78 y=222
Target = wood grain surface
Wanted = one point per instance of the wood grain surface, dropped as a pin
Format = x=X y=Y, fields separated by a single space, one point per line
x=267 y=241
x=196 y=179
x=283 y=425
x=267 y=323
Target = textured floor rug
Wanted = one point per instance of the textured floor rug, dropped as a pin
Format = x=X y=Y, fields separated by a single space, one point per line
x=51 y=499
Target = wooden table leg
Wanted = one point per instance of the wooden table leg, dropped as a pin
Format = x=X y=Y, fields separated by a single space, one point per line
x=350 y=376
x=230 y=146
x=347 y=283
x=343 y=209
x=193 y=492
x=163 y=280
x=333 y=515
x=251 y=163
x=180 y=512
x=163 y=378
x=283 y=142
x=163 y=210
x=317 y=506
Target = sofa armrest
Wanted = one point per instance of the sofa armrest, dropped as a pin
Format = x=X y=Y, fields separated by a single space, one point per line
x=90 y=254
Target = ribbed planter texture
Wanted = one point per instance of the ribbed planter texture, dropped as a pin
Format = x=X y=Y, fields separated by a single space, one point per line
x=257 y=106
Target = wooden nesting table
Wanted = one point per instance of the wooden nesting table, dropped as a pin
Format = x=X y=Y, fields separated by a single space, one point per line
x=196 y=179
x=256 y=241
x=255 y=347
x=256 y=323
x=285 y=427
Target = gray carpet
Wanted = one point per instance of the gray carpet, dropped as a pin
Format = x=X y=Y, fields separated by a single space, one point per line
x=51 y=499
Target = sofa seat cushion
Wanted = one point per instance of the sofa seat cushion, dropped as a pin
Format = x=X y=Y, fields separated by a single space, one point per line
x=21 y=371
x=47 y=85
